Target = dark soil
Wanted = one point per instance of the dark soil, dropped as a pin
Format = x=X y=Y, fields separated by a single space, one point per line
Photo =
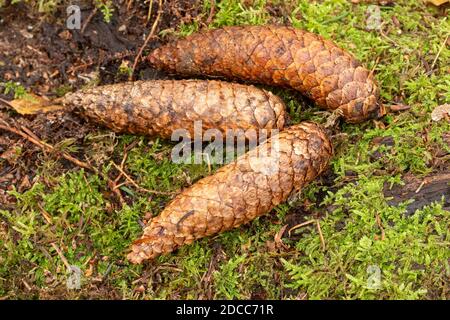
x=40 y=53
x=47 y=59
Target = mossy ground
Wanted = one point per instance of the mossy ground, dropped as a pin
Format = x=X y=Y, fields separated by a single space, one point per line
x=361 y=235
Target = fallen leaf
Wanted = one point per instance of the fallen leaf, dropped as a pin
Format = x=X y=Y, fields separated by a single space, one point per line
x=140 y=289
x=441 y=112
x=379 y=2
x=25 y=184
x=438 y=2
x=33 y=104
x=88 y=273
x=12 y=154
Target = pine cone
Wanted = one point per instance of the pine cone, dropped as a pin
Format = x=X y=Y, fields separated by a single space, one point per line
x=278 y=55
x=238 y=192
x=162 y=106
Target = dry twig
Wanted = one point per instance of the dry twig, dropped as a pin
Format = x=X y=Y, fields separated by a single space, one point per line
x=31 y=137
x=322 y=239
x=439 y=53
x=89 y=18
x=61 y=255
x=43 y=145
x=212 y=11
x=150 y=35
x=299 y=226
x=138 y=187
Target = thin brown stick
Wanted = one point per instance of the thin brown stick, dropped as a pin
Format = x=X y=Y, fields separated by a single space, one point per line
x=30 y=136
x=31 y=133
x=122 y=163
x=130 y=2
x=6 y=103
x=88 y=20
x=322 y=239
x=47 y=146
x=386 y=37
x=278 y=235
x=150 y=9
x=112 y=185
x=72 y=69
x=439 y=53
x=299 y=226
x=61 y=255
x=398 y=107
x=212 y=11
x=26 y=285
x=45 y=214
x=150 y=35
x=138 y=186
x=420 y=186
x=126 y=149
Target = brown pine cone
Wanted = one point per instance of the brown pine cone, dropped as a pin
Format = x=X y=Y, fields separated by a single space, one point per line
x=278 y=55
x=162 y=106
x=238 y=192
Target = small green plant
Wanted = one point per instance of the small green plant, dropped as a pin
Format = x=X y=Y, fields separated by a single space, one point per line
x=125 y=69
x=14 y=87
x=42 y=6
x=227 y=279
x=47 y=6
x=62 y=90
x=106 y=8
x=235 y=12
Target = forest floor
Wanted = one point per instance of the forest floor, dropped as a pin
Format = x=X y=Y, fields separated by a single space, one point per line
x=375 y=226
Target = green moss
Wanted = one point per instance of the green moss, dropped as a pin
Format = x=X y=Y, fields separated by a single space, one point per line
x=411 y=253
x=411 y=65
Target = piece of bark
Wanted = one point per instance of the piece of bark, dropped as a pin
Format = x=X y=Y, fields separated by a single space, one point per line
x=423 y=191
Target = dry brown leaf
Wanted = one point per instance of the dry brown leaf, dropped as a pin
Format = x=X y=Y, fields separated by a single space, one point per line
x=437 y=2
x=25 y=184
x=88 y=273
x=33 y=104
x=12 y=154
x=441 y=112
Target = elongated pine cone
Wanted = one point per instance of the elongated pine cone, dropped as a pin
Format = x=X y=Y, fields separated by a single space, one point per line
x=278 y=55
x=159 y=107
x=238 y=192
